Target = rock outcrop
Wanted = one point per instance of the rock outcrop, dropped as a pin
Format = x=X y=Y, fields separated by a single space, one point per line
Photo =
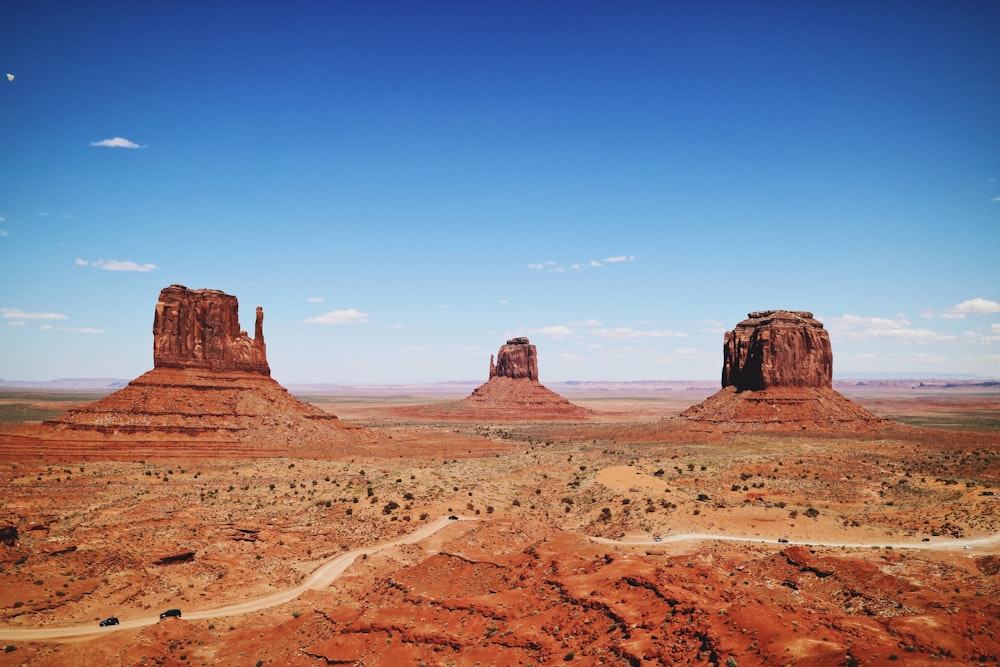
x=201 y=329
x=512 y=393
x=209 y=394
x=517 y=359
x=777 y=348
x=777 y=374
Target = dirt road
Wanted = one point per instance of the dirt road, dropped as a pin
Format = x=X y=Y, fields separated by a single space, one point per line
x=330 y=571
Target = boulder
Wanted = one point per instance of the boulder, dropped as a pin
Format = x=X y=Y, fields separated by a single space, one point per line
x=777 y=348
x=201 y=329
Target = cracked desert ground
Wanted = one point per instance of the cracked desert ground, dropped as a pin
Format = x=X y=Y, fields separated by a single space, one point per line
x=554 y=559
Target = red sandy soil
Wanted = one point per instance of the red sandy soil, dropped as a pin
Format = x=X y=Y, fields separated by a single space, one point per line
x=82 y=539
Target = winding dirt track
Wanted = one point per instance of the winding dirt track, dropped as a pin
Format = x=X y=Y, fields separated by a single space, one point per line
x=327 y=573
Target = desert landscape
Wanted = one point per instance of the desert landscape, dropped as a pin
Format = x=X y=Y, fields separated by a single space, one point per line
x=797 y=522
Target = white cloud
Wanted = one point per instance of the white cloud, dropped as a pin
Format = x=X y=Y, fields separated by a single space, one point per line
x=556 y=331
x=711 y=327
x=554 y=267
x=349 y=316
x=78 y=330
x=4 y=232
x=586 y=323
x=116 y=142
x=397 y=326
x=315 y=299
x=976 y=307
x=569 y=356
x=3 y=219
x=18 y=314
x=858 y=327
x=995 y=199
x=628 y=332
x=992 y=337
x=503 y=302
x=115 y=265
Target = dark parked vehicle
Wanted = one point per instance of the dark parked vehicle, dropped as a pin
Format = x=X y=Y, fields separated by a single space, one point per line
x=113 y=620
x=453 y=518
x=171 y=612
x=783 y=540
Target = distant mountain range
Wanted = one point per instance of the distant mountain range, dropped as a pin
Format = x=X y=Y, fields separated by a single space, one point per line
x=464 y=387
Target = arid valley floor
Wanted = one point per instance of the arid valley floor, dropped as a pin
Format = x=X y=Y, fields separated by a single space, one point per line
x=571 y=545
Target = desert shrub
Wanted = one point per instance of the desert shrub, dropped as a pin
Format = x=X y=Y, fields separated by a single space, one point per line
x=812 y=512
x=390 y=506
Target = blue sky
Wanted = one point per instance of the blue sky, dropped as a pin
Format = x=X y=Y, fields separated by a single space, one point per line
x=404 y=186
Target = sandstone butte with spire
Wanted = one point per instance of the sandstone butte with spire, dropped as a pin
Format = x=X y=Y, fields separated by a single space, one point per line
x=777 y=374
x=513 y=389
x=210 y=393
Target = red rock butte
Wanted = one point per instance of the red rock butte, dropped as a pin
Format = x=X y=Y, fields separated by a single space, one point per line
x=512 y=393
x=201 y=329
x=513 y=388
x=777 y=374
x=209 y=394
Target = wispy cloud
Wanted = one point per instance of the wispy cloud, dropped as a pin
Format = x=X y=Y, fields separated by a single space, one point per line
x=556 y=331
x=4 y=232
x=315 y=299
x=554 y=267
x=976 y=306
x=18 y=314
x=116 y=142
x=995 y=199
x=711 y=327
x=72 y=330
x=859 y=327
x=349 y=316
x=992 y=337
x=630 y=333
x=115 y=265
x=586 y=323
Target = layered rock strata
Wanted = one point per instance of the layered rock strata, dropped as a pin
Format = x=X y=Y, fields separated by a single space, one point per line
x=777 y=348
x=209 y=394
x=512 y=393
x=201 y=329
x=517 y=359
x=513 y=389
x=777 y=374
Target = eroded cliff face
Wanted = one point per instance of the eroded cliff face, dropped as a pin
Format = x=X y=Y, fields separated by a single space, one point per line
x=201 y=329
x=517 y=359
x=777 y=348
